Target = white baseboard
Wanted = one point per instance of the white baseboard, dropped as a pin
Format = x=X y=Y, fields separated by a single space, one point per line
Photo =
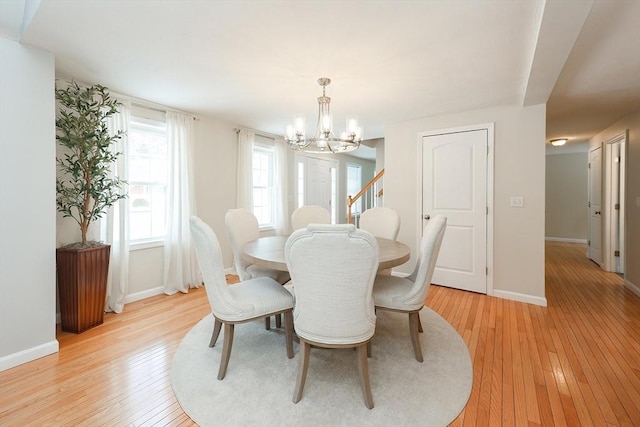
x=633 y=288
x=28 y=355
x=565 y=240
x=515 y=296
x=143 y=294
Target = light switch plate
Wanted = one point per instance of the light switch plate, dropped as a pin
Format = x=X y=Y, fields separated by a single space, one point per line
x=517 y=201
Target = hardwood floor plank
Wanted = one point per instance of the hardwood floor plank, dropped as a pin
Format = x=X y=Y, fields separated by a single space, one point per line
x=508 y=404
x=555 y=403
x=495 y=413
x=519 y=393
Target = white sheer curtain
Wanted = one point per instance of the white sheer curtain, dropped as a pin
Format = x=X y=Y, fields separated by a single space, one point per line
x=281 y=208
x=245 y=170
x=114 y=228
x=181 y=270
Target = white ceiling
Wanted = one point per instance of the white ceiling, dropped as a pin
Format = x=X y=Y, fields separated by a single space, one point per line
x=255 y=63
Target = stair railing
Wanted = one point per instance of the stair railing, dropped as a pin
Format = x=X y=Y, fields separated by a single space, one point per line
x=370 y=193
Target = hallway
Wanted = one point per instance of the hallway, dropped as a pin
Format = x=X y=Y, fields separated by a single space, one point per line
x=575 y=362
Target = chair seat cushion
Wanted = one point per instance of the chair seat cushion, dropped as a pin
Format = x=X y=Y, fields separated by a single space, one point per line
x=392 y=292
x=259 y=297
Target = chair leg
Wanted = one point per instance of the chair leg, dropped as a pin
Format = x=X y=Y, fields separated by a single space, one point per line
x=216 y=332
x=363 y=367
x=303 y=366
x=369 y=348
x=226 y=350
x=419 y=324
x=267 y=323
x=288 y=332
x=278 y=321
x=414 y=320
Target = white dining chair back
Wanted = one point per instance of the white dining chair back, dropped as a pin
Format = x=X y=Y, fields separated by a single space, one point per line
x=242 y=302
x=209 y=257
x=333 y=268
x=309 y=214
x=242 y=227
x=428 y=256
x=381 y=222
x=408 y=295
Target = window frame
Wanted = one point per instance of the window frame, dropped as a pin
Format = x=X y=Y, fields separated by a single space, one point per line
x=143 y=120
x=265 y=148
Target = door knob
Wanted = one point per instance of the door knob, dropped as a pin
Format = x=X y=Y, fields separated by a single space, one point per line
x=426 y=216
x=597 y=212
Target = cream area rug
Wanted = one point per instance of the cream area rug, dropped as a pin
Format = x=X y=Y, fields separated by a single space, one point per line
x=258 y=387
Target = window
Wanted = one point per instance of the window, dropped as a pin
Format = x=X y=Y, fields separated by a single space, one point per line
x=354 y=185
x=263 y=181
x=147 y=179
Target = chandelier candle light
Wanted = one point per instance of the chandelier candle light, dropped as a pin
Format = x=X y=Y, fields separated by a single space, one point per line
x=324 y=141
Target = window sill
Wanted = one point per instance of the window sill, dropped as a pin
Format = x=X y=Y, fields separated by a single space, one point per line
x=147 y=244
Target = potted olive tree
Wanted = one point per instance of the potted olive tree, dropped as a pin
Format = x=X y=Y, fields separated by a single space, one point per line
x=85 y=190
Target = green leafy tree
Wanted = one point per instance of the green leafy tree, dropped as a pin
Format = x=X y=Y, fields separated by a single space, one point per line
x=86 y=189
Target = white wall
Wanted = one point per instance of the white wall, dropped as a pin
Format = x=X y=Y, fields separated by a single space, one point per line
x=216 y=154
x=27 y=204
x=566 y=197
x=518 y=252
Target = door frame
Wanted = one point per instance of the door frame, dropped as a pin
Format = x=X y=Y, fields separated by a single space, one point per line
x=489 y=127
x=608 y=205
x=590 y=231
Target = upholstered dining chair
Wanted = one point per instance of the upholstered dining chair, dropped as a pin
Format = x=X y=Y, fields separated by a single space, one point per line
x=407 y=295
x=333 y=268
x=242 y=302
x=309 y=214
x=381 y=222
x=242 y=227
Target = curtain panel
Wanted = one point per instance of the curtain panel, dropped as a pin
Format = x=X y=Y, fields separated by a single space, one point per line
x=181 y=270
x=114 y=227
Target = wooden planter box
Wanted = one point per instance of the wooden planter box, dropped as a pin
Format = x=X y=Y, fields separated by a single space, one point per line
x=82 y=285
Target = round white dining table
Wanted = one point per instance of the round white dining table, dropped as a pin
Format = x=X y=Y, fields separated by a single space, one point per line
x=269 y=252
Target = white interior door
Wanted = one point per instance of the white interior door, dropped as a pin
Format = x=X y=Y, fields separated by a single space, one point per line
x=613 y=204
x=454 y=184
x=595 y=205
x=320 y=183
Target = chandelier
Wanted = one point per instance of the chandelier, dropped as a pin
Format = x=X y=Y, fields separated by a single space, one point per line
x=324 y=141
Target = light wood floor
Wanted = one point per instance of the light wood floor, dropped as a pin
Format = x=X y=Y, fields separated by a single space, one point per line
x=575 y=362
